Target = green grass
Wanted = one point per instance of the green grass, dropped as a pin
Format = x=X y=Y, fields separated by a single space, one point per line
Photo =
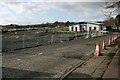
x=65 y=31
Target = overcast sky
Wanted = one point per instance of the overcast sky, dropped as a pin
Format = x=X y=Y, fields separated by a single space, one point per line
x=35 y=12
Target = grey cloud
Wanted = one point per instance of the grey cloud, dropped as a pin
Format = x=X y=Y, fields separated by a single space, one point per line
x=79 y=5
x=86 y=10
x=28 y=7
x=82 y=9
x=75 y=7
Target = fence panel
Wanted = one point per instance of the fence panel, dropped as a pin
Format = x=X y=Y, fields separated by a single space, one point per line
x=18 y=41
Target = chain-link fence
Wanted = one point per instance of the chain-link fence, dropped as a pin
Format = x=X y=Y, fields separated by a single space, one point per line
x=18 y=41
x=93 y=34
x=36 y=38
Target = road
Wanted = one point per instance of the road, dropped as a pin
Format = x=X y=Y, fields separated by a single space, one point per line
x=99 y=67
x=48 y=61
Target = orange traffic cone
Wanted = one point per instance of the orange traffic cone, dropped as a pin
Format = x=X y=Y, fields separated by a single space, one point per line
x=109 y=42
x=97 y=51
x=112 y=39
x=115 y=38
x=118 y=36
x=103 y=46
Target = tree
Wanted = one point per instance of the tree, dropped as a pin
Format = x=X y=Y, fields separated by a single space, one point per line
x=113 y=4
x=117 y=20
x=110 y=22
x=116 y=6
x=112 y=7
x=67 y=23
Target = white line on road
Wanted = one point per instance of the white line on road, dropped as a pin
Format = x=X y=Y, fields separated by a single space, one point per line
x=40 y=53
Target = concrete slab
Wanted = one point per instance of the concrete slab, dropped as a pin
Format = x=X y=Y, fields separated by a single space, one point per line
x=89 y=67
x=96 y=66
x=98 y=73
x=112 y=71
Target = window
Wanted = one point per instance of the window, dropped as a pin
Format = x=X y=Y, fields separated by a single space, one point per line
x=83 y=29
x=76 y=29
x=94 y=28
x=89 y=28
x=100 y=27
x=72 y=28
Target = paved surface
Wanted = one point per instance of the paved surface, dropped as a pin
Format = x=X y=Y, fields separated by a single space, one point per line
x=105 y=66
x=47 y=61
x=113 y=69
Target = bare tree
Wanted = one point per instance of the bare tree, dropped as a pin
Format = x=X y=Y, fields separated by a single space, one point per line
x=113 y=7
x=117 y=21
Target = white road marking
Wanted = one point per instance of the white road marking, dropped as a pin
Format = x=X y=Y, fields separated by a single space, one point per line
x=18 y=59
x=33 y=55
x=40 y=53
x=62 y=48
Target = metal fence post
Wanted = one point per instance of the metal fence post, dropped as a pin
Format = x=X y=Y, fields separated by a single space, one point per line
x=68 y=36
x=52 y=38
x=61 y=38
x=75 y=35
x=23 y=40
x=37 y=38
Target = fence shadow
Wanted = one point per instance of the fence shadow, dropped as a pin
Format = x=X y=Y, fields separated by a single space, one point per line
x=15 y=74
x=79 y=76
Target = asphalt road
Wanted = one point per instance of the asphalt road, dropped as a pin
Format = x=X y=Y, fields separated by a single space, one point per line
x=48 y=61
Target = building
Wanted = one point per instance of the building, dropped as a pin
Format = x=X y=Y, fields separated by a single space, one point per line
x=75 y=28
x=86 y=27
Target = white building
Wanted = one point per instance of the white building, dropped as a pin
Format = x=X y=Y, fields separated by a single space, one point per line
x=85 y=26
x=75 y=28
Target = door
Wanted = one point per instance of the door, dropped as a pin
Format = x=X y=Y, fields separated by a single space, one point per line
x=90 y=29
x=76 y=29
x=72 y=28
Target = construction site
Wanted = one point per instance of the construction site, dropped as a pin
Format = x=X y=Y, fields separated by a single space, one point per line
x=59 y=39
x=80 y=58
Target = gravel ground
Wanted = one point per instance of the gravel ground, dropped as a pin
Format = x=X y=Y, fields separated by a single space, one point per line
x=48 y=60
